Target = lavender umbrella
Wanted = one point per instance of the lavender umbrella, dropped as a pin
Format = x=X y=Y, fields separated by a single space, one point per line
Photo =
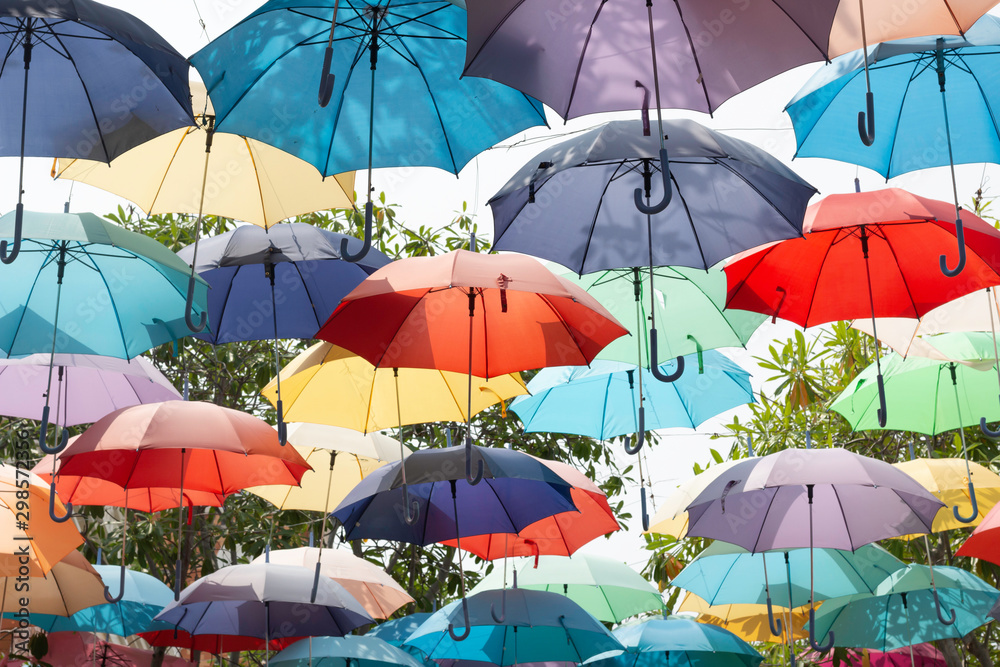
x=772 y=502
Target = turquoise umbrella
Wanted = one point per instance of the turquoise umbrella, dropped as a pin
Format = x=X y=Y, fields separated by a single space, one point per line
x=679 y=642
x=902 y=611
x=349 y=651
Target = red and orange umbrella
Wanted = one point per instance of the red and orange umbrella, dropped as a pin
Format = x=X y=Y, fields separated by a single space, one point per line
x=984 y=542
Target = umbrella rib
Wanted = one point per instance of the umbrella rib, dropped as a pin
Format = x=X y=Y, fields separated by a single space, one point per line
x=579 y=62
x=340 y=106
x=604 y=406
x=562 y=321
x=770 y=503
x=472 y=56
x=593 y=220
x=840 y=506
x=906 y=284
x=732 y=293
x=27 y=300
x=225 y=300
x=170 y=163
x=819 y=273
x=687 y=211
x=796 y=228
x=456 y=399
x=986 y=100
x=378 y=363
x=899 y=113
x=260 y=187
x=305 y=286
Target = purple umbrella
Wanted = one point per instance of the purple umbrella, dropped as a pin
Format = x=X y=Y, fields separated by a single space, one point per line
x=772 y=502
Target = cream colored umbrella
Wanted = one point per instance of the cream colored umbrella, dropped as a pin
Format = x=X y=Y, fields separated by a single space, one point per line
x=71 y=585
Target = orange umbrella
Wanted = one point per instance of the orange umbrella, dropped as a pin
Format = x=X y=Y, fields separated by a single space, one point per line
x=187 y=445
x=32 y=539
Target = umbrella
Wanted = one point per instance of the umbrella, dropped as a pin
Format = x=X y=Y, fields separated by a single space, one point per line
x=899 y=613
x=983 y=541
x=145 y=596
x=73 y=649
x=125 y=289
x=248 y=179
x=693 y=299
x=265 y=600
x=607 y=589
x=415 y=52
x=920 y=79
x=411 y=314
x=327 y=384
x=949 y=481
x=672 y=517
x=364 y=651
x=168 y=634
x=103 y=82
x=918 y=655
x=864 y=253
x=951 y=396
x=181 y=444
x=33 y=541
x=398 y=630
x=772 y=501
x=71 y=585
x=537 y=627
x=297 y=267
x=749 y=622
x=558 y=535
x=369 y=584
x=673 y=641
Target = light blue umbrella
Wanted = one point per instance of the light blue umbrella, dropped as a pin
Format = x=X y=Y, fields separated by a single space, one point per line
x=145 y=597
x=679 y=642
x=398 y=630
x=536 y=626
x=902 y=610
x=349 y=651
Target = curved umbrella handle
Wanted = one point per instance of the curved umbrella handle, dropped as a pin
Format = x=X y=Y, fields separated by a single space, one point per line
x=943 y=261
x=177 y=578
x=640 y=437
x=199 y=326
x=667 y=192
x=701 y=354
x=121 y=589
x=941 y=616
x=52 y=505
x=772 y=622
x=882 y=413
x=819 y=648
x=15 y=247
x=312 y=596
x=282 y=426
x=468 y=626
x=345 y=254
x=63 y=440
x=468 y=464
x=645 y=516
x=987 y=431
x=966 y=519
x=866 y=130
x=654 y=366
x=503 y=609
x=325 y=78
x=412 y=518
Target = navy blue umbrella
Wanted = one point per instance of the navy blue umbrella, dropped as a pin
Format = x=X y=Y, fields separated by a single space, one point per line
x=83 y=80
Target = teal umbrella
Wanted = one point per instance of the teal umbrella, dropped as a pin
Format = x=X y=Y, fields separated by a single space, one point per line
x=349 y=651
x=902 y=610
x=679 y=642
x=607 y=589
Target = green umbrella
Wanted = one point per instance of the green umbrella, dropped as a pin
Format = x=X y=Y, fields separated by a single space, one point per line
x=607 y=589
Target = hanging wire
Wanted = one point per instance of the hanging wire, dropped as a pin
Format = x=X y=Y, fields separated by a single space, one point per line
x=201 y=21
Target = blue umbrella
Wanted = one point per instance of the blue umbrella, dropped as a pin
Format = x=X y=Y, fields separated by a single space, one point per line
x=348 y=651
x=90 y=80
x=398 y=96
x=398 y=630
x=679 y=642
x=144 y=598
x=918 y=80
x=537 y=627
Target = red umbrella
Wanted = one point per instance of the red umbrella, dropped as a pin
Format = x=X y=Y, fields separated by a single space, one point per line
x=214 y=644
x=865 y=254
x=984 y=542
x=183 y=445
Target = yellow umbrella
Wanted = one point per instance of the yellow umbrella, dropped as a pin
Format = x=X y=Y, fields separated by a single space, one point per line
x=672 y=517
x=746 y=621
x=327 y=384
x=29 y=537
x=246 y=179
x=71 y=585
x=946 y=479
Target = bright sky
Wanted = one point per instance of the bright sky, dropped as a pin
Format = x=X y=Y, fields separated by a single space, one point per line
x=755 y=116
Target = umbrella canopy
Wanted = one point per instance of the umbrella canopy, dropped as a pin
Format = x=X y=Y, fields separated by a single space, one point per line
x=672 y=517
x=337 y=438
x=948 y=480
x=365 y=651
x=730 y=196
x=71 y=585
x=672 y=641
x=327 y=384
x=984 y=542
x=865 y=254
x=145 y=597
x=87 y=387
x=727 y=574
x=749 y=622
x=601 y=400
x=549 y=627
x=516 y=490
x=44 y=542
x=598 y=56
x=291 y=277
x=693 y=299
x=607 y=589
x=901 y=611
x=265 y=600
x=168 y=634
x=558 y=535
x=71 y=649
x=398 y=630
x=247 y=179
x=369 y=584
x=858 y=500
x=454 y=312
x=918 y=655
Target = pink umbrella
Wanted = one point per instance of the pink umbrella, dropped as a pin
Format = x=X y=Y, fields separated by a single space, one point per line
x=918 y=655
x=71 y=649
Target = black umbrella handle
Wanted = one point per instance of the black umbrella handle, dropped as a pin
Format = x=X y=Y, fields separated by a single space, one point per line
x=499 y=618
x=52 y=505
x=941 y=617
x=43 y=431
x=819 y=648
x=282 y=426
x=987 y=431
x=468 y=626
x=312 y=596
x=866 y=120
x=637 y=194
x=345 y=254
x=773 y=623
x=199 y=326
x=654 y=366
x=966 y=519
x=15 y=246
x=473 y=480
x=645 y=515
x=943 y=261
x=883 y=413
x=640 y=436
x=326 y=79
